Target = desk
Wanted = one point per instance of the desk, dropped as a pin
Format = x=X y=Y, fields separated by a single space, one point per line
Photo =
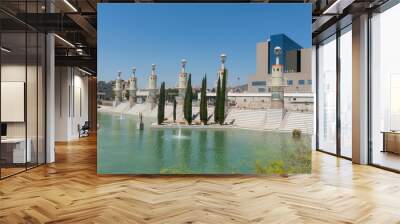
x=16 y=147
x=391 y=141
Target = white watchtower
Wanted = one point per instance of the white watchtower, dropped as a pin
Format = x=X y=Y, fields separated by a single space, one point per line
x=277 y=82
x=152 y=89
x=132 y=88
x=222 y=68
x=153 y=77
x=118 y=89
x=182 y=82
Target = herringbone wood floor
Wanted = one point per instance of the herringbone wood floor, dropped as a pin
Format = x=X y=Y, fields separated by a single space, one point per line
x=69 y=191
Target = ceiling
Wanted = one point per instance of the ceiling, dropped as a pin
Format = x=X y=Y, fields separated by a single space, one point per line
x=75 y=21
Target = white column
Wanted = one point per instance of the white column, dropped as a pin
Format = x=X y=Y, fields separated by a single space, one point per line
x=360 y=90
x=50 y=99
x=314 y=90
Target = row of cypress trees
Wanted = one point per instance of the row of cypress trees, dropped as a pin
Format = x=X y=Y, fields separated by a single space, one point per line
x=219 y=109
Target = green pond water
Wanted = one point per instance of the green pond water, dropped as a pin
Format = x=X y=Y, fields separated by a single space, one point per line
x=122 y=149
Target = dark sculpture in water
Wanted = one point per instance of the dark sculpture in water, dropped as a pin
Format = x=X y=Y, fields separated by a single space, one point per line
x=140 y=124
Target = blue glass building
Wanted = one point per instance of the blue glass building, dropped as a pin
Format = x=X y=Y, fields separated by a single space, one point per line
x=285 y=43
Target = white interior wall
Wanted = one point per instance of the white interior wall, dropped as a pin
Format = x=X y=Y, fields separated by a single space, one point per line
x=33 y=126
x=81 y=94
x=61 y=103
x=71 y=102
x=12 y=73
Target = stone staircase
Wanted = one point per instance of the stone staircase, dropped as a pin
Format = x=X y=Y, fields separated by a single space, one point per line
x=138 y=108
x=254 y=119
x=145 y=109
x=298 y=120
x=273 y=119
x=122 y=107
x=179 y=113
x=267 y=119
x=196 y=111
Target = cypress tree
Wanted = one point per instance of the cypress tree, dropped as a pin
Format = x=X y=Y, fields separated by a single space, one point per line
x=190 y=114
x=174 y=112
x=185 y=103
x=161 y=104
x=203 y=101
x=187 y=107
x=223 y=96
x=217 y=101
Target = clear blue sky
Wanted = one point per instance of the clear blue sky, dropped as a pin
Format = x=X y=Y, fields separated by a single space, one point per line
x=141 y=34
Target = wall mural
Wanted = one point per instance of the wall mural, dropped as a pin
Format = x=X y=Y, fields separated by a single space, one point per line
x=192 y=89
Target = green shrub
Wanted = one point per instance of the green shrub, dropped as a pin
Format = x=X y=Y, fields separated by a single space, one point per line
x=296 y=133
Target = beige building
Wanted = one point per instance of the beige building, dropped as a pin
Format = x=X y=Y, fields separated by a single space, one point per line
x=297 y=72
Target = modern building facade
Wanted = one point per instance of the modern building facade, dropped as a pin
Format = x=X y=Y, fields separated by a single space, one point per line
x=289 y=52
x=296 y=65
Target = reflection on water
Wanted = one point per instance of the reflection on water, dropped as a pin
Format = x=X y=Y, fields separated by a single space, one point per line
x=219 y=141
x=178 y=134
x=124 y=149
